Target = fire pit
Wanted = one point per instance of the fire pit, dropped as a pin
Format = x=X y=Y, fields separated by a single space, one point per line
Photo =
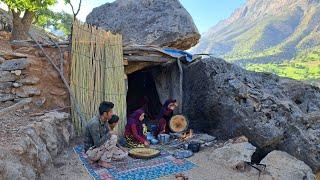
x=186 y=135
x=183 y=138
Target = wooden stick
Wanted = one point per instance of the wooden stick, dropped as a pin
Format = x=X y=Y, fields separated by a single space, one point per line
x=23 y=43
x=149 y=59
x=42 y=113
x=63 y=79
x=180 y=85
x=15 y=106
x=61 y=55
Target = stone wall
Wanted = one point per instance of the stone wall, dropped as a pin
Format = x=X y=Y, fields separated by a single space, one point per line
x=26 y=74
x=30 y=85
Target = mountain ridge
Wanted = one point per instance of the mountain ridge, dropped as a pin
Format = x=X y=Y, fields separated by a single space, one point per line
x=262 y=32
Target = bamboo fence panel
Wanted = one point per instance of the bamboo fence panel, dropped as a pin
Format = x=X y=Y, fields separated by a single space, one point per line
x=97 y=72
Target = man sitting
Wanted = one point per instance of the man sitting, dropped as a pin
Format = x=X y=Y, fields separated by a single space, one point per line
x=100 y=143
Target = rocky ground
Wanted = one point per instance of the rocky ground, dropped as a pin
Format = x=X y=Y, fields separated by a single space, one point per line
x=67 y=166
x=34 y=144
x=222 y=161
x=10 y=126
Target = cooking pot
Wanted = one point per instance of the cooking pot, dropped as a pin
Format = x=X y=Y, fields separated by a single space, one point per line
x=194 y=146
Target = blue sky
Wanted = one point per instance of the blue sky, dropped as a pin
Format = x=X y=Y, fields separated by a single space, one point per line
x=205 y=13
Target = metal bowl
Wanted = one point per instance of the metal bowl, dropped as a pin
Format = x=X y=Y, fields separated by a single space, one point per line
x=144 y=153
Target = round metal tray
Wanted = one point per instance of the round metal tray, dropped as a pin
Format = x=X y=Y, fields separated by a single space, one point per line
x=144 y=153
x=178 y=123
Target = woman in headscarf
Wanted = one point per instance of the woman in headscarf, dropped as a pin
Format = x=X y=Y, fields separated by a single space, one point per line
x=165 y=115
x=134 y=130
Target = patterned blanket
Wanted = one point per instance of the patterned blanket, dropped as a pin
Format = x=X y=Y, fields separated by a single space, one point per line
x=136 y=169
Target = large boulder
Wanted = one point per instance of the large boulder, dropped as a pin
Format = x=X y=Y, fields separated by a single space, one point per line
x=147 y=22
x=280 y=165
x=233 y=154
x=273 y=112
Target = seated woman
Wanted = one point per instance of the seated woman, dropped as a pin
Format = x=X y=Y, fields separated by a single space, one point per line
x=134 y=130
x=165 y=115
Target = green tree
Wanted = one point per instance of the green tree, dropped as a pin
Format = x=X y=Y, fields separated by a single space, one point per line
x=28 y=8
x=62 y=21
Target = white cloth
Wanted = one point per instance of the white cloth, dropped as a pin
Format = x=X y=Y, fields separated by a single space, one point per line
x=107 y=152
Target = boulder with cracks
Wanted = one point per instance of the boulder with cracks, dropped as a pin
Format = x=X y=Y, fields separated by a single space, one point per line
x=236 y=156
x=147 y=22
x=273 y=112
x=281 y=165
x=232 y=154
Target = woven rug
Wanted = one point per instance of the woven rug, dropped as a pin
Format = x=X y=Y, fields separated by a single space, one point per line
x=136 y=169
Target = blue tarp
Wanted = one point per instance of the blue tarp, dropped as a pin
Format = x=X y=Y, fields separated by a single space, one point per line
x=178 y=53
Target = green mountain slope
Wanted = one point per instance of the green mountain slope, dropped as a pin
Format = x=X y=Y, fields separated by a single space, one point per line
x=273 y=35
x=305 y=67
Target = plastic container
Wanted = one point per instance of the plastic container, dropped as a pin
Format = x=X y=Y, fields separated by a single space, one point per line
x=154 y=141
x=164 y=138
x=150 y=136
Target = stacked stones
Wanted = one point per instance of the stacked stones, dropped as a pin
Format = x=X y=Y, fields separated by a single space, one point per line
x=16 y=86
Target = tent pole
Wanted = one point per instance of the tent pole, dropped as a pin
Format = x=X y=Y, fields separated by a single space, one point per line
x=180 y=85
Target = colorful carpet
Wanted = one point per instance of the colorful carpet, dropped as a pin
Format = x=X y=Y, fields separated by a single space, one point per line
x=136 y=169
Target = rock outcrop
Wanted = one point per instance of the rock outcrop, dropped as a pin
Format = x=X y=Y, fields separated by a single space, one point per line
x=232 y=154
x=273 y=112
x=147 y=22
x=235 y=155
x=281 y=165
x=40 y=142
